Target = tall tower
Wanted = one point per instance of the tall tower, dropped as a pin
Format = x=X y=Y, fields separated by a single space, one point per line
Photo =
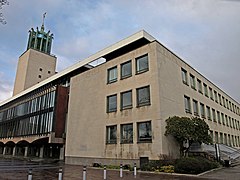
x=36 y=63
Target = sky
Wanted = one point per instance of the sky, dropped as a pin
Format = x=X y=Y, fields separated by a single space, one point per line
x=204 y=33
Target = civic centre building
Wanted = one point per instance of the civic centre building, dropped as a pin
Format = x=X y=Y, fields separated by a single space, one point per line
x=110 y=107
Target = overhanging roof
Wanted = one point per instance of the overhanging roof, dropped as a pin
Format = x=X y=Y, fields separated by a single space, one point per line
x=138 y=39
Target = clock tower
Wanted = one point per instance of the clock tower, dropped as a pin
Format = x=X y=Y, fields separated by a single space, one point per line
x=36 y=63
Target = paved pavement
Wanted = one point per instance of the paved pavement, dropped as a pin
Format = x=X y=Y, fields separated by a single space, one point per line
x=18 y=170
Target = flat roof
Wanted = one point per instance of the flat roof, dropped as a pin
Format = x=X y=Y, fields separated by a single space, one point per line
x=139 y=37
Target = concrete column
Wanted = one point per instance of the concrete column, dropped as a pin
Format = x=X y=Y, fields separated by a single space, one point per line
x=41 y=152
x=4 y=150
x=14 y=151
x=61 y=156
x=26 y=151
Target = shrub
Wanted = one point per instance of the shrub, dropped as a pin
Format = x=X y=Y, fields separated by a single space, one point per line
x=167 y=169
x=191 y=165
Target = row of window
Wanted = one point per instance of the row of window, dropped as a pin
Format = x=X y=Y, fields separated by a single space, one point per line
x=144 y=133
x=38 y=124
x=126 y=69
x=224 y=138
x=210 y=113
x=39 y=103
x=143 y=99
x=209 y=92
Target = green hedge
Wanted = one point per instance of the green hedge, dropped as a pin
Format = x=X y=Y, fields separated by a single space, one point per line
x=194 y=165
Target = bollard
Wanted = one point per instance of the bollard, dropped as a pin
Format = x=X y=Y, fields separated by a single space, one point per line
x=60 y=174
x=104 y=173
x=84 y=173
x=135 y=170
x=30 y=174
x=121 y=171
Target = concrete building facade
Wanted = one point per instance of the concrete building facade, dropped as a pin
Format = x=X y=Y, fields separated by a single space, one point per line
x=114 y=112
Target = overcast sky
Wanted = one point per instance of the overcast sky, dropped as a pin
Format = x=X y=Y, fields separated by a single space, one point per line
x=204 y=33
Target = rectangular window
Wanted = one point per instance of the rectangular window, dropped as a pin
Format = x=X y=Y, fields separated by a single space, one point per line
x=211 y=134
x=214 y=115
x=226 y=119
x=230 y=121
x=216 y=96
x=202 y=109
x=216 y=137
x=199 y=85
x=187 y=104
x=192 y=81
x=112 y=75
x=111 y=134
x=221 y=138
x=227 y=104
x=143 y=96
x=112 y=103
x=184 y=76
x=195 y=108
x=126 y=69
x=223 y=100
x=205 y=89
x=127 y=133
x=126 y=100
x=144 y=132
x=211 y=93
x=219 y=117
x=142 y=64
x=209 y=113
x=220 y=99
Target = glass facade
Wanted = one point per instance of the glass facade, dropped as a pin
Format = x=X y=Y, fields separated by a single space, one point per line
x=31 y=117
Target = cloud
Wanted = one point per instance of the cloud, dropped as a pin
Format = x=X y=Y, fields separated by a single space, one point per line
x=5 y=88
x=203 y=33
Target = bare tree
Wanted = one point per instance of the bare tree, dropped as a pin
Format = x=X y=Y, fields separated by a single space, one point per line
x=2 y=3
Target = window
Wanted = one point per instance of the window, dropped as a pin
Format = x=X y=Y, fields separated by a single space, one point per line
x=230 y=121
x=40 y=69
x=192 y=81
x=195 y=107
x=111 y=134
x=143 y=96
x=209 y=113
x=112 y=103
x=219 y=117
x=49 y=72
x=221 y=138
x=226 y=119
x=211 y=93
x=144 y=132
x=216 y=137
x=112 y=75
x=214 y=115
x=211 y=134
x=184 y=76
x=127 y=133
x=220 y=99
x=142 y=64
x=205 y=89
x=187 y=104
x=126 y=100
x=223 y=100
x=126 y=69
x=199 y=86
x=227 y=104
x=216 y=96
x=202 y=109
x=39 y=76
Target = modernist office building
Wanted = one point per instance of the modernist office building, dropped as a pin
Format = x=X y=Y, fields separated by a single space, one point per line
x=109 y=112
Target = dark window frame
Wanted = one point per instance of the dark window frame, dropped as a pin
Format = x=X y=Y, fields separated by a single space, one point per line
x=146 y=139
x=108 y=108
x=122 y=66
x=142 y=70
x=146 y=103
